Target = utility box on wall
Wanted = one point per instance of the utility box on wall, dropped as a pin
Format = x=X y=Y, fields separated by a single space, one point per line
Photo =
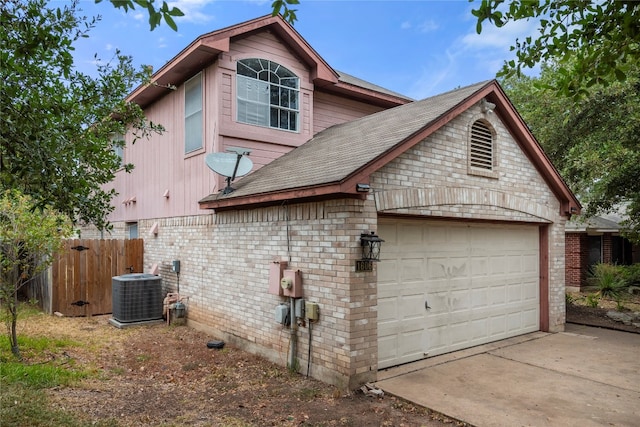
x=276 y=270
x=292 y=283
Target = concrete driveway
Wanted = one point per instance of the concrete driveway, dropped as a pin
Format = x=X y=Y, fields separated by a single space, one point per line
x=584 y=376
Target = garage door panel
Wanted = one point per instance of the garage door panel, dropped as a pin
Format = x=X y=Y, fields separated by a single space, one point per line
x=387 y=309
x=436 y=268
x=530 y=319
x=497 y=326
x=411 y=269
x=459 y=301
x=530 y=263
x=530 y=292
x=480 y=266
x=480 y=281
x=387 y=271
x=497 y=294
x=387 y=352
x=514 y=292
x=438 y=303
x=497 y=265
x=412 y=306
x=514 y=264
x=436 y=339
x=479 y=298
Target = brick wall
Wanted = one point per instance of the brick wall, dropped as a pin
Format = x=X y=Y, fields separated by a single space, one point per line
x=575 y=259
x=225 y=261
x=226 y=256
x=432 y=180
x=607 y=253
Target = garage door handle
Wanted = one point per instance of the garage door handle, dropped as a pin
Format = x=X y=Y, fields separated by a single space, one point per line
x=426 y=305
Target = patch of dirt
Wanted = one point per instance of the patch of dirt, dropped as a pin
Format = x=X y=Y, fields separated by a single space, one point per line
x=580 y=313
x=158 y=375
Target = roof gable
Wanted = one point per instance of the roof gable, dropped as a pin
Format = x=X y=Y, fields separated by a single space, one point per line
x=338 y=158
x=205 y=49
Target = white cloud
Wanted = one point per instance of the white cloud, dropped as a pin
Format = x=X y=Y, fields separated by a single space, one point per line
x=193 y=10
x=428 y=26
x=109 y=47
x=436 y=74
x=424 y=27
x=499 y=38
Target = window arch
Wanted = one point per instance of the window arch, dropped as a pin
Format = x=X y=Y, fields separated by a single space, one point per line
x=267 y=94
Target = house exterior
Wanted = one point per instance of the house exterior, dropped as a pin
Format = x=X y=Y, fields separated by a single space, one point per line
x=471 y=211
x=595 y=240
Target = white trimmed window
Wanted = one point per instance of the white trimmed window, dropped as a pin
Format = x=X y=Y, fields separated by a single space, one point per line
x=132 y=230
x=482 y=150
x=193 y=114
x=118 y=147
x=268 y=94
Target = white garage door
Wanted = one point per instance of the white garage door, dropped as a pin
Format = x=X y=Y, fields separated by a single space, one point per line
x=445 y=286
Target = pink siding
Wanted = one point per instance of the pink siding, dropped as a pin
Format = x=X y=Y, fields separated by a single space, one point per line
x=160 y=162
x=329 y=110
x=267 y=46
x=161 y=165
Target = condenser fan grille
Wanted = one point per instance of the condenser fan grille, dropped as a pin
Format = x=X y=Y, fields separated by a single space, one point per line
x=136 y=297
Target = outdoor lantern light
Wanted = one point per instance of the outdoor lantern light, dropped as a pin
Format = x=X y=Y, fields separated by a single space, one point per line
x=370 y=244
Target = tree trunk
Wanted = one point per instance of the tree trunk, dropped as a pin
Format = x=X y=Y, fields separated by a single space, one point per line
x=13 y=309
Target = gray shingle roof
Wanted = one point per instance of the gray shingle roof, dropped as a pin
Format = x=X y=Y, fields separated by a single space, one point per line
x=352 y=80
x=337 y=152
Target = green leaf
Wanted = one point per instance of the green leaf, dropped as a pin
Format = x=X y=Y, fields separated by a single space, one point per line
x=170 y=22
x=176 y=12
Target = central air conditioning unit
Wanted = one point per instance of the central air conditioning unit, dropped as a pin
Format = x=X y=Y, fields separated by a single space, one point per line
x=136 y=297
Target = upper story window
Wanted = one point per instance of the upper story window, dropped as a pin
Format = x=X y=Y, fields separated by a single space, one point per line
x=268 y=94
x=193 y=114
x=117 y=145
x=482 y=156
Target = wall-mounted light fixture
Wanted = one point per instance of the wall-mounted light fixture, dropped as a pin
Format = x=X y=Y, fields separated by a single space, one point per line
x=362 y=188
x=486 y=106
x=370 y=244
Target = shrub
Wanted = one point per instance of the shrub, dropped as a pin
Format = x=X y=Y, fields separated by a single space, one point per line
x=632 y=274
x=608 y=280
x=592 y=300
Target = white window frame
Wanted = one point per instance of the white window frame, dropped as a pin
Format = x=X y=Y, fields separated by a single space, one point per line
x=132 y=230
x=267 y=95
x=118 y=150
x=193 y=114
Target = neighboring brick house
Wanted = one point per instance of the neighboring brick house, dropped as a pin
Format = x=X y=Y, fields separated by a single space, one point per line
x=595 y=240
x=471 y=211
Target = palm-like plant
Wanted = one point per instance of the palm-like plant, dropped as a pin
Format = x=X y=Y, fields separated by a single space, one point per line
x=607 y=280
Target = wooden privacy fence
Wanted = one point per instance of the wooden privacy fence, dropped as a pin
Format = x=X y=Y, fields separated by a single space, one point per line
x=81 y=274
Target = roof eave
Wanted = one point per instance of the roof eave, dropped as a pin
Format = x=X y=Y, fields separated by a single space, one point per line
x=367 y=95
x=569 y=204
x=206 y=48
x=187 y=63
x=335 y=190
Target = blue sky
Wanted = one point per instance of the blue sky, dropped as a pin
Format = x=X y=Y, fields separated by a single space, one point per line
x=418 y=48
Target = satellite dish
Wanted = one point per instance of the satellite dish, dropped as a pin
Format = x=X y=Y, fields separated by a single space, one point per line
x=225 y=163
x=230 y=165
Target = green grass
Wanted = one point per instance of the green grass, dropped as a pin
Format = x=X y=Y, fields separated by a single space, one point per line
x=23 y=400
x=31 y=347
x=27 y=407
